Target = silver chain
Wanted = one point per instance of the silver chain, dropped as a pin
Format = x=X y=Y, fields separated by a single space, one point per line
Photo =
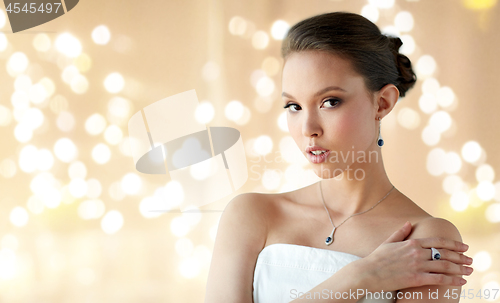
x=329 y=217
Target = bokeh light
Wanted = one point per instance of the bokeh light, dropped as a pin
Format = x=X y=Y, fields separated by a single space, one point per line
x=114 y=83
x=101 y=35
x=68 y=45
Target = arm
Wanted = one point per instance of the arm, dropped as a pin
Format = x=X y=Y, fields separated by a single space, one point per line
x=433 y=227
x=241 y=235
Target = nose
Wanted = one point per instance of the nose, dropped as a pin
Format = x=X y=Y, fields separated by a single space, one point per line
x=311 y=125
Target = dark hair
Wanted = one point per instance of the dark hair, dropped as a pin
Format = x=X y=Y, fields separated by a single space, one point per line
x=373 y=55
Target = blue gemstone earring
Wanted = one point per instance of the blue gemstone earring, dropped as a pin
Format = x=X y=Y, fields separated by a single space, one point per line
x=380 y=141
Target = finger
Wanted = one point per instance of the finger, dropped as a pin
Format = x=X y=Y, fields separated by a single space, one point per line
x=450 y=255
x=440 y=242
x=446 y=267
x=400 y=234
x=441 y=279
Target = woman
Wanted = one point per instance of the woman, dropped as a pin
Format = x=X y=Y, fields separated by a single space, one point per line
x=340 y=78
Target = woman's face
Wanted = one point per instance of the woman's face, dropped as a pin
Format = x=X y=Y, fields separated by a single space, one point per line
x=342 y=120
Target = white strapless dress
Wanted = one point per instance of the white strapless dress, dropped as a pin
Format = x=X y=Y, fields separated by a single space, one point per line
x=283 y=271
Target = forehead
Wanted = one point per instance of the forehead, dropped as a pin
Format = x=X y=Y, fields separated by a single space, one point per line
x=309 y=71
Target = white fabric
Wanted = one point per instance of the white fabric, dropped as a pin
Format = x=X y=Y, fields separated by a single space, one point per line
x=284 y=270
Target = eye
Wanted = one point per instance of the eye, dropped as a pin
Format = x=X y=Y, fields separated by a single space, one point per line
x=290 y=104
x=333 y=101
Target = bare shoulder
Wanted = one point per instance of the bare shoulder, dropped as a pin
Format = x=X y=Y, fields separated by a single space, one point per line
x=435 y=227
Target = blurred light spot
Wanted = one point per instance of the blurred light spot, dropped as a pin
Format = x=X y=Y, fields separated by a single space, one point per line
x=485 y=172
x=114 y=83
x=263 y=145
x=482 y=261
x=19 y=216
x=179 y=226
x=430 y=135
x=237 y=26
x=115 y=191
x=101 y=153
x=234 y=110
x=42 y=42
x=184 y=247
x=479 y=4
x=23 y=133
x=44 y=159
x=279 y=29
x=459 y=201
x=77 y=169
x=471 y=151
x=435 y=161
x=265 y=86
x=150 y=207
x=271 y=179
x=8 y=262
x=256 y=75
x=210 y=71
x=5 y=116
x=17 y=63
x=404 y=21
x=125 y=146
x=113 y=134
x=8 y=168
x=51 y=197
x=204 y=112
x=189 y=267
x=192 y=216
x=91 y=209
x=427 y=103
x=94 y=188
x=370 y=12
x=68 y=45
x=131 y=183
x=175 y=193
x=453 y=183
x=27 y=158
x=95 y=124
x=485 y=190
x=78 y=187
x=492 y=213
x=445 y=96
x=426 y=65
x=35 y=204
x=408 y=118
x=260 y=40
x=65 y=121
x=119 y=107
x=408 y=46
x=10 y=241
x=3 y=42
x=33 y=118
x=79 y=84
x=112 y=222
x=22 y=83
x=69 y=73
x=101 y=35
x=245 y=117
x=382 y=3
x=83 y=62
x=282 y=122
x=440 y=120
x=390 y=30
x=271 y=66
x=430 y=86
x=65 y=150
x=453 y=163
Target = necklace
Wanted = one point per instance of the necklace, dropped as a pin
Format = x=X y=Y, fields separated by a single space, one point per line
x=329 y=239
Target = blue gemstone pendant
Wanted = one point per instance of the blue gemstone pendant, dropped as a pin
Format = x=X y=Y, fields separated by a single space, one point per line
x=329 y=239
x=380 y=142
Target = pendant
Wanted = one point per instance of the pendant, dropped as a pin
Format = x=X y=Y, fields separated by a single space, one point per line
x=329 y=239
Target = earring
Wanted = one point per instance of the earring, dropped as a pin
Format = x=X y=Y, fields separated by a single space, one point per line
x=380 y=141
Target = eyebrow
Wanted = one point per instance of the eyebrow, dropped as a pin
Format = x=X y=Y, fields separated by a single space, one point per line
x=324 y=90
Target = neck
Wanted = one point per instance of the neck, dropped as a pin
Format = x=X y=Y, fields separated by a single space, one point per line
x=359 y=187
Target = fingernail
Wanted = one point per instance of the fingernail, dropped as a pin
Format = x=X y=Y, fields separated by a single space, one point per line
x=469 y=260
x=465 y=246
x=462 y=281
x=469 y=270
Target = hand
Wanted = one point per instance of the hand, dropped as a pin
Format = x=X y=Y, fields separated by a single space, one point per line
x=398 y=264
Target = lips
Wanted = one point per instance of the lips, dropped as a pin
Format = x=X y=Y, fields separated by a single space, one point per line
x=311 y=148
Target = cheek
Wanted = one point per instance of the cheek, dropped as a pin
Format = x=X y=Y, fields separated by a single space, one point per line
x=352 y=129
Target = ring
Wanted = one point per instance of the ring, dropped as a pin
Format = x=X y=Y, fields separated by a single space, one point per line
x=435 y=254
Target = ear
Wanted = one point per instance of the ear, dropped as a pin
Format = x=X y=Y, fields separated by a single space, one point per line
x=386 y=99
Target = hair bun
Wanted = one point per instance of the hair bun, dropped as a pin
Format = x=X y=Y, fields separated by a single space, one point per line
x=407 y=77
